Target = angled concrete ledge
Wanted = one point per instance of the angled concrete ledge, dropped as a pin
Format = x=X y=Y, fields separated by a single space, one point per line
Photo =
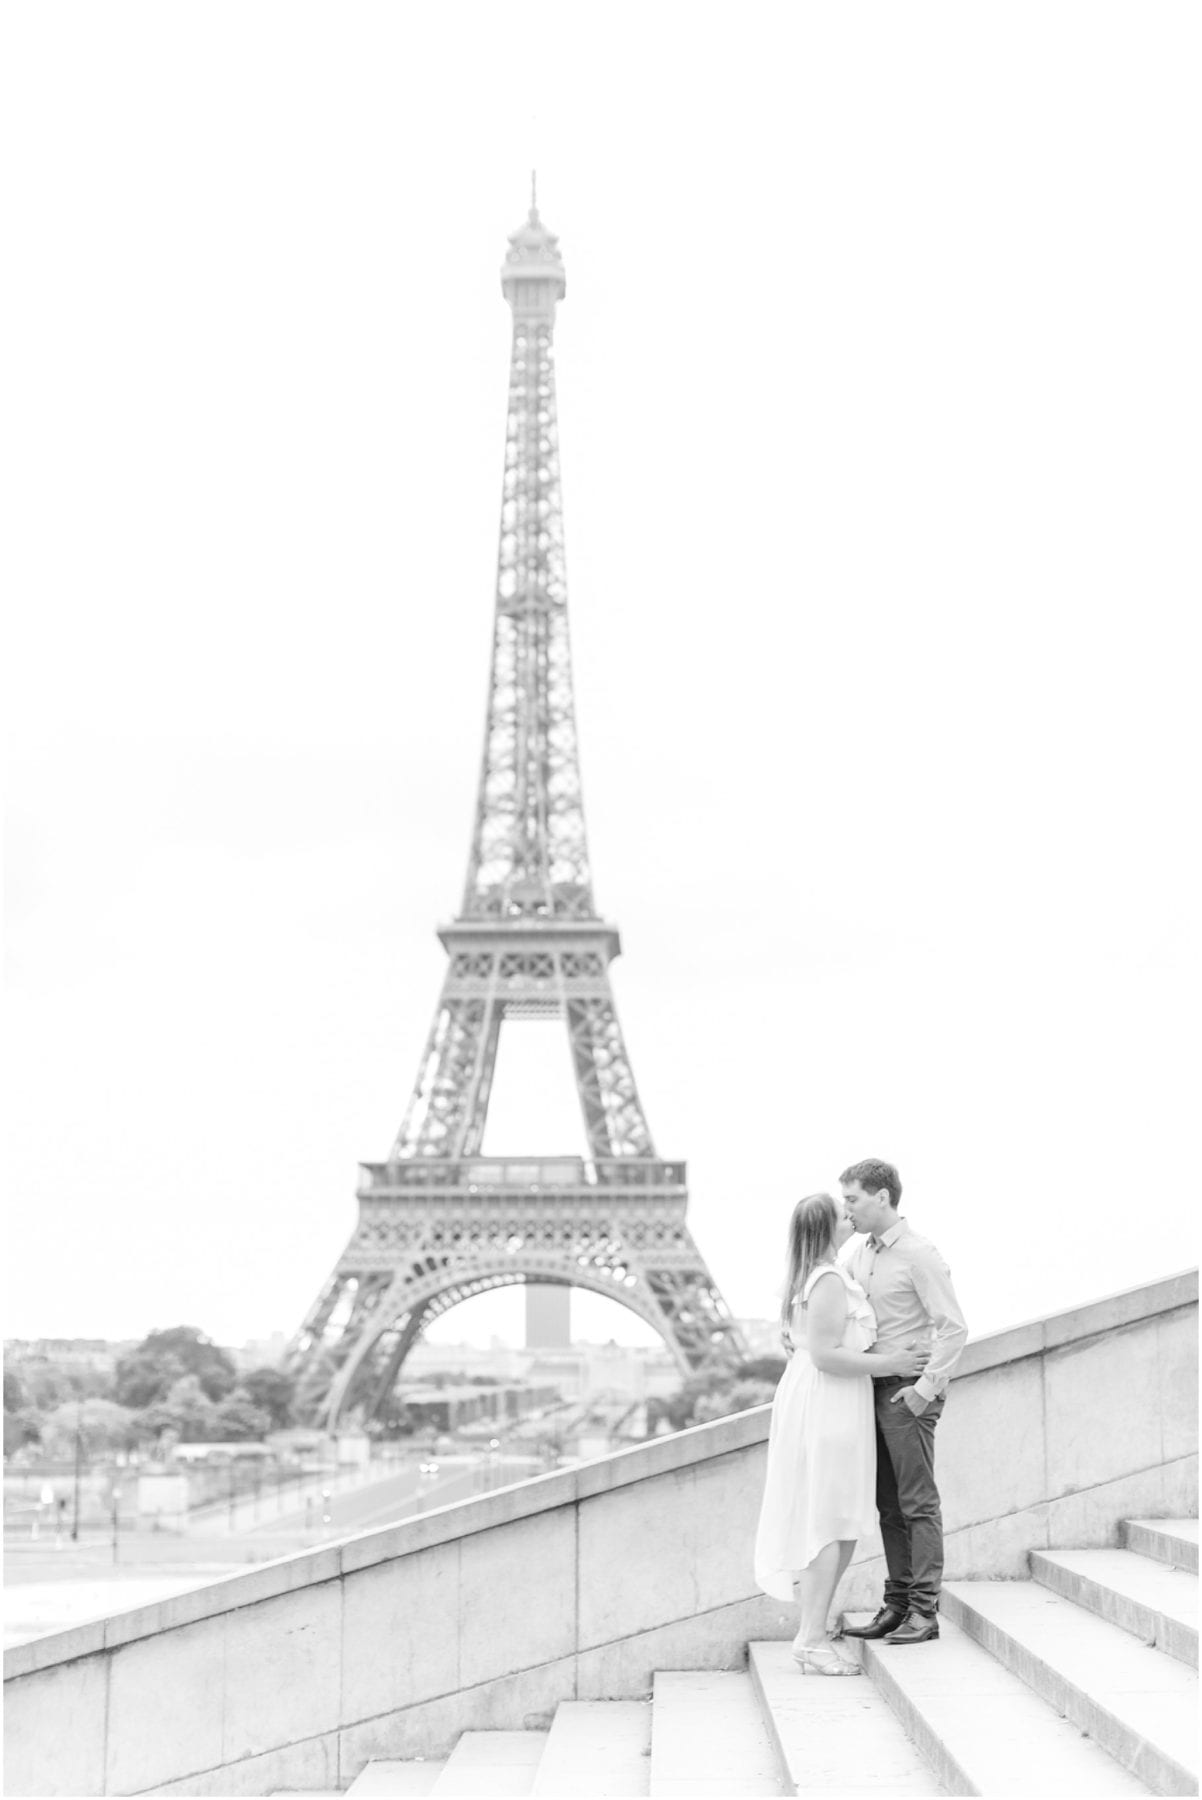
x=1129 y=1306
x=392 y=1642
x=445 y=1524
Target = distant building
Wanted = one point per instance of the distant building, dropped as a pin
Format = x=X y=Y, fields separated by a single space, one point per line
x=548 y=1316
x=97 y=1355
x=259 y=1353
x=467 y=1359
x=451 y=1408
x=566 y=1370
x=635 y=1371
x=239 y=1450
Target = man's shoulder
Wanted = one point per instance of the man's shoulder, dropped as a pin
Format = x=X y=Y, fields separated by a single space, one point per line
x=920 y=1249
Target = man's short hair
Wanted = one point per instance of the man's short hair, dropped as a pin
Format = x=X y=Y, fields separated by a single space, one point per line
x=873 y=1175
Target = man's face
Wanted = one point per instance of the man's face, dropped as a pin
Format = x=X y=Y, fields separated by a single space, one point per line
x=843 y=1230
x=867 y=1212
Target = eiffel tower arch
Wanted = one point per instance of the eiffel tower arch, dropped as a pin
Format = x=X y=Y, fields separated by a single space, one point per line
x=438 y=1222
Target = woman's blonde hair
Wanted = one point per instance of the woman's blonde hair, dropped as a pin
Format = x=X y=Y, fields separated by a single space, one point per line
x=811 y=1238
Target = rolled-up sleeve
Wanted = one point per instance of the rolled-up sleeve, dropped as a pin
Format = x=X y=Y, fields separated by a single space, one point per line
x=933 y=1285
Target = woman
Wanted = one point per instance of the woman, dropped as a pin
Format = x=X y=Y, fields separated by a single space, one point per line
x=821 y=1479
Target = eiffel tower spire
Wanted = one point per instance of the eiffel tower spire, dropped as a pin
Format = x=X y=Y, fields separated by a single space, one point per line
x=529 y=854
x=437 y=1222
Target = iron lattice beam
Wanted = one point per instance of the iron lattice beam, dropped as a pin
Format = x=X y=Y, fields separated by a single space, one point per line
x=432 y=1235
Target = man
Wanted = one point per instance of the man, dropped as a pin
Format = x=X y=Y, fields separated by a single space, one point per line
x=910 y=1287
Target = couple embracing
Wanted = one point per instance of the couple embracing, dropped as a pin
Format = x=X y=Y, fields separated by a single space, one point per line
x=872 y=1338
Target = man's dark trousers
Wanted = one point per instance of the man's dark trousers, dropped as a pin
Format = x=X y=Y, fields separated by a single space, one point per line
x=907 y=1498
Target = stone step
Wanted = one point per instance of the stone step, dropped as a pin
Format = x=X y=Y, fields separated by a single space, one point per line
x=1156 y=1604
x=597 y=1747
x=980 y=1728
x=833 y=1735
x=1137 y=1703
x=484 y=1763
x=1172 y=1541
x=397 y=1780
x=709 y=1737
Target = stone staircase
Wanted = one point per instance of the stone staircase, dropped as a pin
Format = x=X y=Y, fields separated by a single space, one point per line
x=1080 y=1681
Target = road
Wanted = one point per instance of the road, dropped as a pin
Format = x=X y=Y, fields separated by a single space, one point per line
x=408 y=1491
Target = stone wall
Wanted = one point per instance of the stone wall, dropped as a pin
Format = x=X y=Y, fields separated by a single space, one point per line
x=579 y=1584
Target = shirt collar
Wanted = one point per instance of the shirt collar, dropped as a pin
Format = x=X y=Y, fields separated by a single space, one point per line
x=888 y=1238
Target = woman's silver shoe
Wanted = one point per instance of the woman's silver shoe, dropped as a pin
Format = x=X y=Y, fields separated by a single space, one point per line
x=821 y=1659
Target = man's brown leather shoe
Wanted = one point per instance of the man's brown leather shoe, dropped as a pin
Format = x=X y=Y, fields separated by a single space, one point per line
x=887 y=1619
x=919 y=1628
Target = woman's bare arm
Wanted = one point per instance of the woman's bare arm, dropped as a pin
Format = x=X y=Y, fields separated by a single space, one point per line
x=826 y=1318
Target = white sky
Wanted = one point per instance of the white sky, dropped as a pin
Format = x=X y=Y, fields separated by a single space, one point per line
x=878 y=379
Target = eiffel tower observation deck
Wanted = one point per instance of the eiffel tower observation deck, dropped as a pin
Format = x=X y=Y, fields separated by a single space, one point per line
x=438 y=1222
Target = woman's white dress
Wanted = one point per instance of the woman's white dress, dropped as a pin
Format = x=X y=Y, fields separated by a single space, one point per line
x=821 y=1478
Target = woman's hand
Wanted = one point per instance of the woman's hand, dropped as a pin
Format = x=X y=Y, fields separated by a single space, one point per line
x=905 y=1362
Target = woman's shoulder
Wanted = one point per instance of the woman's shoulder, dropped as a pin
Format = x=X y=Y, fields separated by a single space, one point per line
x=815 y=1276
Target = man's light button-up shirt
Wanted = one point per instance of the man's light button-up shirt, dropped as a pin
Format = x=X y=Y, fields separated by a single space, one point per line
x=910 y=1287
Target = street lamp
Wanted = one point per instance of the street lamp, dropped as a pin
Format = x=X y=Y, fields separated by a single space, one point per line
x=78 y=1462
x=116 y=1502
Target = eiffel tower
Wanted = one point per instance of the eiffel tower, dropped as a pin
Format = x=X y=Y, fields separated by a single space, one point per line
x=438 y=1223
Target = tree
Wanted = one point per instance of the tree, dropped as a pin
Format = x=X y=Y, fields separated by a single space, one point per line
x=14 y=1393
x=394 y=1418
x=761 y=1368
x=238 y=1420
x=48 y=1384
x=21 y=1426
x=154 y=1423
x=715 y=1395
x=746 y=1394
x=143 y=1380
x=271 y=1390
x=164 y=1358
x=678 y=1408
x=185 y=1410
x=102 y=1425
x=712 y=1405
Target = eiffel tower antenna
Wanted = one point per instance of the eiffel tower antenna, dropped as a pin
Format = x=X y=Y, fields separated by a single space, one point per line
x=438 y=1223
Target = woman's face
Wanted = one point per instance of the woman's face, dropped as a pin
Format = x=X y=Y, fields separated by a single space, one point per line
x=843 y=1230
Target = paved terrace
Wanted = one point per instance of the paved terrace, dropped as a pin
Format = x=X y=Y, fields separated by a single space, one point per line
x=579 y=1584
